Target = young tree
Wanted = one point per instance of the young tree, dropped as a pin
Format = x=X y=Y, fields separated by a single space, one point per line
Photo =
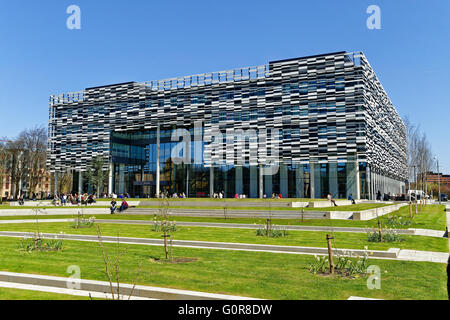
x=97 y=175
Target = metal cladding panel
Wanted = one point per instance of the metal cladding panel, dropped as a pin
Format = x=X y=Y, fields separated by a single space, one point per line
x=327 y=107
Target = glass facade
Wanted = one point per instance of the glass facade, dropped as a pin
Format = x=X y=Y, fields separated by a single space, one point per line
x=134 y=156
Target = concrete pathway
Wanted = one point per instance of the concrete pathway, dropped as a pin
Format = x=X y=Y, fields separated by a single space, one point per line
x=70 y=292
x=102 y=288
x=52 y=212
x=361 y=298
x=393 y=253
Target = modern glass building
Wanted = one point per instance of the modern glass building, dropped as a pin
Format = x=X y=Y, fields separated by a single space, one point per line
x=301 y=127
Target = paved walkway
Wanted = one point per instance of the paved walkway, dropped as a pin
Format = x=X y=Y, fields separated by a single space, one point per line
x=65 y=291
x=417 y=232
x=101 y=288
x=393 y=253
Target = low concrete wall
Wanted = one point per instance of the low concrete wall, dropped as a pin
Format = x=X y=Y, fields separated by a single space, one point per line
x=49 y=204
x=221 y=203
x=377 y=212
x=339 y=215
x=327 y=204
x=58 y=211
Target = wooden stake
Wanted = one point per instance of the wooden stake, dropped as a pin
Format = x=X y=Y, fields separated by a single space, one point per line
x=268 y=227
x=330 y=253
x=379 y=230
x=165 y=245
x=410 y=210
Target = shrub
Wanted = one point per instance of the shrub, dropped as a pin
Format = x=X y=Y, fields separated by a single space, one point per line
x=388 y=235
x=83 y=223
x=38 y=244
x=396 y=221
x=344 y=266
x=272 y=232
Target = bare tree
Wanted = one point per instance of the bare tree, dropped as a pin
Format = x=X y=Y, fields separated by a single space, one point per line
x=419 y=155
x=34 y=144
x=3 y=168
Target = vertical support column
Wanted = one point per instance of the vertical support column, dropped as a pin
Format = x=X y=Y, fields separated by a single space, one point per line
x=238 y=181
x=312 y=180
x=253 y=182
x=300 y=181
x=284 y=180
x=358 y=181
x=110 y=178
x=121 y=178
x=351 y=179
x=80 y=184
x=142 y=181
x=158 y=169
x=333 y=179
x=211 y=181
x=187 y=180
x=268 y=185
x=56 y=184
x=317 y=181
x=261 y=181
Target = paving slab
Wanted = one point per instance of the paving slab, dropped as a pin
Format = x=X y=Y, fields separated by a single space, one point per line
x=65 y=291
x=103 y=287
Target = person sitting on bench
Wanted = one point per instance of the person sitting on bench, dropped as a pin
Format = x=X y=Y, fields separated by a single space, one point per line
x=123 y=206
x=350 y=197
x=113 y=206
x=330 y=198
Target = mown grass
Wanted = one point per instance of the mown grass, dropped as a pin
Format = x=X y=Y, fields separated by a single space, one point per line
x=294 y=238
x=19 y=294
x=432 y=217
x=229 y=206
x=250 y=274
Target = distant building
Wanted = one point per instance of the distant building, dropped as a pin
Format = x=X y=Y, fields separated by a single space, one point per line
x=433 y=178
x=42 y=189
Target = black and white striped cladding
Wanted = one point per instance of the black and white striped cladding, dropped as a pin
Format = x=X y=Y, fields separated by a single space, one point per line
x=328 y=108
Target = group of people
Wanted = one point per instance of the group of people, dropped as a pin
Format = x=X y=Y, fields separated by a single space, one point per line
x=124 y=205
x=179 y=196
x=74 y=199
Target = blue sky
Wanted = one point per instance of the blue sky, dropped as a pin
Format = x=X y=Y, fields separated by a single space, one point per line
x=135 y=40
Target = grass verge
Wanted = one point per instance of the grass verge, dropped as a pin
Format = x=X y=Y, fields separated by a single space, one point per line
x=250 y=274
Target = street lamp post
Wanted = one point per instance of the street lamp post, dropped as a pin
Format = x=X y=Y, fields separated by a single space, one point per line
x=439 y=180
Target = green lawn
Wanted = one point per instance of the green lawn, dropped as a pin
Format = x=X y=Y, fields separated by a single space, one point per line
x=229 y=206
x=356 y=207
x=227 y=200
x=432 y=217
x=18 y=294
x=251 y=274
x=294 y=238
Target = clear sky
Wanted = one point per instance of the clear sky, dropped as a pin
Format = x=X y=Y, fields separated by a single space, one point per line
x=133 y=40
